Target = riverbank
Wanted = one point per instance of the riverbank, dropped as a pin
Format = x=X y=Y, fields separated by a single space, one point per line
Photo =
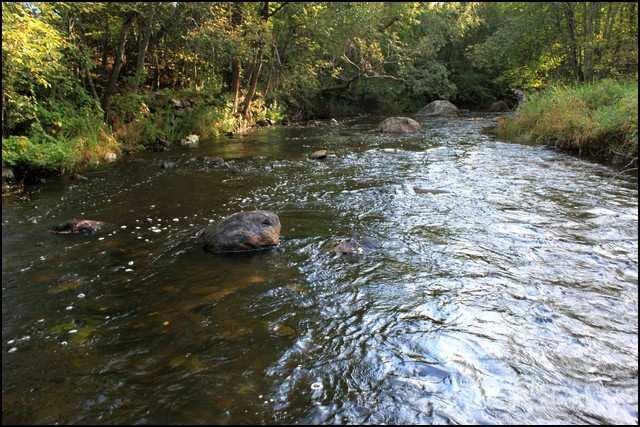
x=597 y=121
x=69 y=141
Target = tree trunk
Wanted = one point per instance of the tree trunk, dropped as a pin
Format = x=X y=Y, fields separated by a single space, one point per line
x=257 y=67
x=573 y=43
x=105 y=57
x=589 y=41
x=235 y=83
x=236 y=67
x=143 y=45
x=156 y=77
x=92 y=87
x=117 y=66
x=253 y=83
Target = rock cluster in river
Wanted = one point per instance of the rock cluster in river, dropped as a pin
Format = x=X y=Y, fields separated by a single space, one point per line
x=242 y=232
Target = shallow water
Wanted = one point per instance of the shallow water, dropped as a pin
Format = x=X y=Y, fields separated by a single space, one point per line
x=511 y=297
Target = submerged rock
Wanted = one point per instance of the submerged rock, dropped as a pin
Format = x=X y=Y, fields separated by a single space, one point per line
x=439 y=108
x=242 y=232
x=213 y=161
x=78 y=226
x=190 y=141
x=498 y=107
x=78 y=177
x=356 y=246
x=399 y=125
x=168 y=164
x=320 y=154
x=422 y=190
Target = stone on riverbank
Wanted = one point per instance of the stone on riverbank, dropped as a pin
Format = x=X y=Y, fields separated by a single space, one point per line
x=190 y=141
x=242 y=232
x=320 y=154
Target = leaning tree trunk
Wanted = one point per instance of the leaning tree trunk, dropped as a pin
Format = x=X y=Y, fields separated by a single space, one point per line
x=253 y=83
x=115 y=73
x=257 y=66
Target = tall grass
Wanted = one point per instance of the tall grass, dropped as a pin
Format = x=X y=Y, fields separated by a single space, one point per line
x=598 y=120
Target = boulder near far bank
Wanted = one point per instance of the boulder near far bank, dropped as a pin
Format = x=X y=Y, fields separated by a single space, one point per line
x=243 y=232
x=190 y=141
x=318 y=155
x=399 y=125
x=498 y=107
x=439 y=108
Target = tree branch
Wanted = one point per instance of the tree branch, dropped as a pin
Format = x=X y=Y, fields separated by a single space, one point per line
x=277 y=10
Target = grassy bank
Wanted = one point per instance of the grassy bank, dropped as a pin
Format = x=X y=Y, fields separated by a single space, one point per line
x=598 y=120
x=63 y=139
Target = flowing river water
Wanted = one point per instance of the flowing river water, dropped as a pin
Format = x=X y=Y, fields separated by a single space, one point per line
x=509 y=296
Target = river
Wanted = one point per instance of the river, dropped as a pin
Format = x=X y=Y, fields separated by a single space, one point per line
x=508 y=296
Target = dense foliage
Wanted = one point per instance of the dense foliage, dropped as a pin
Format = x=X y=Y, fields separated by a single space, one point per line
x=76 y=75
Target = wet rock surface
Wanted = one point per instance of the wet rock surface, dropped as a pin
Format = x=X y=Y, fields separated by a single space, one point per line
x=356 y=245
x=425 y=190
x=439 y=108
x=399 y=125
x=318 y=155
x=243 y=232
x=78 y=226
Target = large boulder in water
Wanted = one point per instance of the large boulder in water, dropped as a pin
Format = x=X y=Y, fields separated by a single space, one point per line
x=439 y=108
x=399 y=125
x=243 y=231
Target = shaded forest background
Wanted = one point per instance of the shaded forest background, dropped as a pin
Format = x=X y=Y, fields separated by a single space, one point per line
x=84 y=79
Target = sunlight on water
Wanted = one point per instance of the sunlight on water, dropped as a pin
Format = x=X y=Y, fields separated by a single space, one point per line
x=499 y=284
